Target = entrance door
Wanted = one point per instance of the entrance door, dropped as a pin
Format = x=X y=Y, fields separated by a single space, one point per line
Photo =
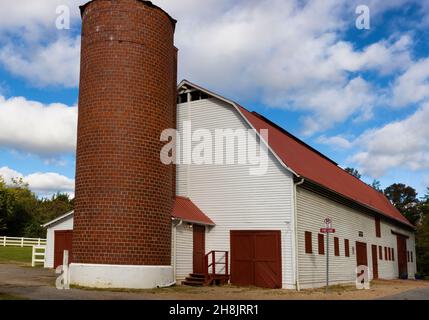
x=402 y=257
x=62 y=241
x=361 y=255
x=199 y=252
x=256 y=258
x=374 y=255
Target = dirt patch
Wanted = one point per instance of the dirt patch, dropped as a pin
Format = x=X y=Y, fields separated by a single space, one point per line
x=379 y=289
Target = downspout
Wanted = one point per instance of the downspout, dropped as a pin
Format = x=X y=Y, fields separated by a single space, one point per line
x=295 y=222
x=174 y=254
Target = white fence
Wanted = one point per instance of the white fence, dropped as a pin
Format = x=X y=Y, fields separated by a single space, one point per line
x=38 y=255
x=21 y=242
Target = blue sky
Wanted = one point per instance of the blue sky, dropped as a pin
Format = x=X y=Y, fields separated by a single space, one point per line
x=359 y=96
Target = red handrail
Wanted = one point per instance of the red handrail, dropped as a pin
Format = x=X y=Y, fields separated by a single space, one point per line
x=213 y=262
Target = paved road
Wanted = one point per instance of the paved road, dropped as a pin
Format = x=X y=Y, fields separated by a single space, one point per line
x=39 y=284
x=416 y=294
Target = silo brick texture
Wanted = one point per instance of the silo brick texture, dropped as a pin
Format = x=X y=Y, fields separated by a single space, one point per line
x=127 y=97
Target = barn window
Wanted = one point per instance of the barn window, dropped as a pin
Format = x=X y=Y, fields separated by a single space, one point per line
x=411 y=256
x=308 y=244
x=380 y=252
x=336 y=246
x=346 y=248
x=183 y=98
x=389 y=252
x=321 y=243
x=408 y=256
x=377 y=227
x=385 y=254
x=393 y=254
x=195 y=95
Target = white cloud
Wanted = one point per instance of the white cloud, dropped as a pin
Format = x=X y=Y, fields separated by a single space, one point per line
x=274 y=49
x=402 y=143
x=288 y=53
x=54 y=64
x=28 y=15
x=334 y=104
x=385 y=56
x=336 y=141
x=33 y=48
x=43 y=184
x=413 y=85
x=30 y=126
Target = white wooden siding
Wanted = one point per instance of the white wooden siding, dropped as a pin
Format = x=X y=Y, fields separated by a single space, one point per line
x=65 y=224
x=181 y=170
x=411 y=246
x=230 y=196
x=184 y=240
x=312 y=209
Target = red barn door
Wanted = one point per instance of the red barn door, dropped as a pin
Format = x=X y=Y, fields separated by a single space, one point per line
x=199 y=249
x=256 y=258
x=62 y=241
x=401 y=242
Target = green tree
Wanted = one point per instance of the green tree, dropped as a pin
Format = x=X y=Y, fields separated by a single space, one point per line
x=422 y=237
x=376 y=185
x=57 y=205
x=425 y=198
x=404 y=198
x=22 y=202
x=354 y=172
x=5 y=206
x=22 y=213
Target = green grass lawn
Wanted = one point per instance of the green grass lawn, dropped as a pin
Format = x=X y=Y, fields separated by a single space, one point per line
x=15 y=254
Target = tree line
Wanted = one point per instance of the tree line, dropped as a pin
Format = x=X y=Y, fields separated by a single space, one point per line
x=22 y=213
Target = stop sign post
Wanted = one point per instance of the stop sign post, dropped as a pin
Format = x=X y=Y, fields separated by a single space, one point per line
x=327 y=229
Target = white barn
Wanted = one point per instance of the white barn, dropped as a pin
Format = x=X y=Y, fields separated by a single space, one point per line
x=264 y=230
x=58 y=229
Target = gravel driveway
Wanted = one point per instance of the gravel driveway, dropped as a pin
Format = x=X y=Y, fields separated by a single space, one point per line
x=39 y=284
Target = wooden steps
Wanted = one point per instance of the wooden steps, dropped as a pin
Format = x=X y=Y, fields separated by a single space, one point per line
x=196 y=280
x=199 y=280
x=211 y=276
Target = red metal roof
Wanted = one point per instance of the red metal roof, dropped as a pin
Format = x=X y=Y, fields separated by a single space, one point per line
x=314 y=166
x=185 y=209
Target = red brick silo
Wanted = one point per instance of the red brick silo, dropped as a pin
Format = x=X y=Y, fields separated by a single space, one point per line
x=127 y=97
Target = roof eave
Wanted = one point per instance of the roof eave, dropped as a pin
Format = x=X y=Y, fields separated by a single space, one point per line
x=56 y=220
x=195 y=221
x=408 y=224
